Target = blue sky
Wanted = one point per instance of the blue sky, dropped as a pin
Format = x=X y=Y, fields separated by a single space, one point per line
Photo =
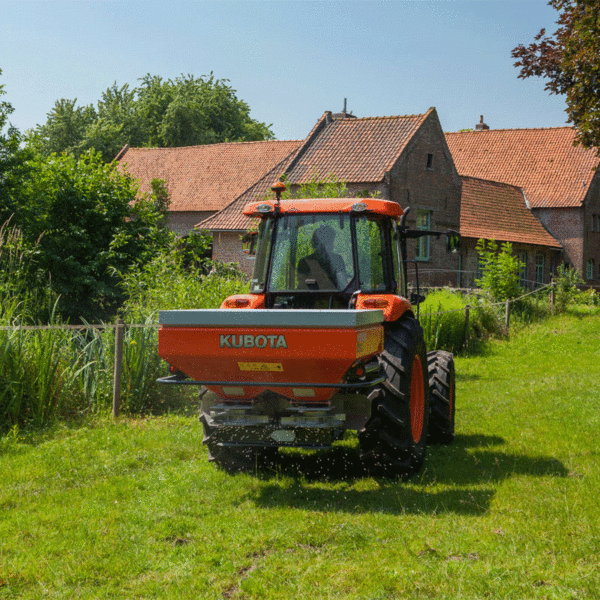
x=290 y=61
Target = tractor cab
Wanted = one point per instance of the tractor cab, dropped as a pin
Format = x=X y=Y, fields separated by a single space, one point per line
x=321 y=253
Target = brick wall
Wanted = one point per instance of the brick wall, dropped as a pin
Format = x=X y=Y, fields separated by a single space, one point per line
x=182 y=222
x=551 y=260
x=227 y=247
x=566 y=225
x=425 y=178
x=591 y=232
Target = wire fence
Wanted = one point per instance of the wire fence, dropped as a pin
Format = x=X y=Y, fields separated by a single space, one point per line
x=120 y=329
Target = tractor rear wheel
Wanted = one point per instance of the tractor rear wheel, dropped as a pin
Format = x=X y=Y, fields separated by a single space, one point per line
x=235 y=458
x=440 y=365
x=394 y=439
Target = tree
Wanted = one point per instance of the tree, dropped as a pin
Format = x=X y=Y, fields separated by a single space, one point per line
x=12 y=158
x=206 y=110
x=117 y=123
x=570 y=60
x=80 y=216
x=65 y=128
x=158 y=113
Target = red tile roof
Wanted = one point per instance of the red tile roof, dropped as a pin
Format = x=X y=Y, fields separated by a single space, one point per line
x=544 y=162
x=231 y=217
x=355 y=150
x=498 y=211
x=204 y=178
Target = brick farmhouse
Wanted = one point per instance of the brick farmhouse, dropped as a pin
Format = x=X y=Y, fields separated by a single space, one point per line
x=543 y=196
x=559 y=180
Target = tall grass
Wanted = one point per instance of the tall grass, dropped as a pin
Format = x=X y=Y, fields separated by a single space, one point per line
x=53 y=371
x=92 y=350
x=442 y=317
x=37 y=374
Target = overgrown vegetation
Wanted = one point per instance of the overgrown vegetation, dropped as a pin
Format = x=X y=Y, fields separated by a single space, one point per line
x=45 y=372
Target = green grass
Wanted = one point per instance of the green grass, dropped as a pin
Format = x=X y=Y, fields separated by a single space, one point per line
x=132 y=509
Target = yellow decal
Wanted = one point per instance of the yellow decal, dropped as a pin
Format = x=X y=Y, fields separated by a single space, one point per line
x=259 y=366
x=369 y=341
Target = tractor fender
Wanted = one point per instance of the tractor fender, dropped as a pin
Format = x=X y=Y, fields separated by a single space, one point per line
x=393 y=306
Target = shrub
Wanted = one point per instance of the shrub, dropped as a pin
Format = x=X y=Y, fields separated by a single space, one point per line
x=566 y=281
x=589 y=297
x=500 y=270
x=166 y=284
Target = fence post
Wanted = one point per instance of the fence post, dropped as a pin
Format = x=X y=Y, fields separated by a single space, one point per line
x=118 y=367
x=552 y=298
x=467 y=310
x=507 y=318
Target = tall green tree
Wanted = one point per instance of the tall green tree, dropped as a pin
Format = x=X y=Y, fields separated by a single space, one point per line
x=569 y=60
x=80 y=216
x=12 y=158
x=117 y=123
x=65 y=129
x=158 y=113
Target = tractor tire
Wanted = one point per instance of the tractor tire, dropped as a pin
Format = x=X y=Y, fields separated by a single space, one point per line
x=394 y=439
x=440 y=365
x=233 y=459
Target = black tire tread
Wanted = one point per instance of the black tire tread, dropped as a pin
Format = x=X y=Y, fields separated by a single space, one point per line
x=442 y=398
x=232 y=459
x=386 y=441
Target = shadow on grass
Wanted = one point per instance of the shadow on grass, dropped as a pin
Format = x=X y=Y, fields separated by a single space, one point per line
x=472 y=460
x=387 y=499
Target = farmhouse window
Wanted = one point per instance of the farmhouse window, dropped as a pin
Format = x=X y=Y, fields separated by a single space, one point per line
x=429 y=165
x=523 y=268
x=423 y=248
x=590 y=268
x=539 y=269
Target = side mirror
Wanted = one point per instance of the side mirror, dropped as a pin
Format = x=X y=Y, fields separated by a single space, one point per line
x=416 y=298
x=249 y=240
x=452 y=241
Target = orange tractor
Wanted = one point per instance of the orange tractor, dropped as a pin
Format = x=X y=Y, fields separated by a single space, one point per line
x=325 y=341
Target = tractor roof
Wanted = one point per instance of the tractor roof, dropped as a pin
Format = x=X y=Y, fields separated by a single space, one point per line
x=325 y=205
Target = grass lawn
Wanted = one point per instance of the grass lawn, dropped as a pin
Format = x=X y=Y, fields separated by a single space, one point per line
x=133 y=510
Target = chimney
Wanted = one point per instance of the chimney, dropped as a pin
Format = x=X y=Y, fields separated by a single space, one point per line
x=481 y=125
x=344 y=114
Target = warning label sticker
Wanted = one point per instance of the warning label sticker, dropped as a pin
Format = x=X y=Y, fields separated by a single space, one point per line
x=260 y=366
